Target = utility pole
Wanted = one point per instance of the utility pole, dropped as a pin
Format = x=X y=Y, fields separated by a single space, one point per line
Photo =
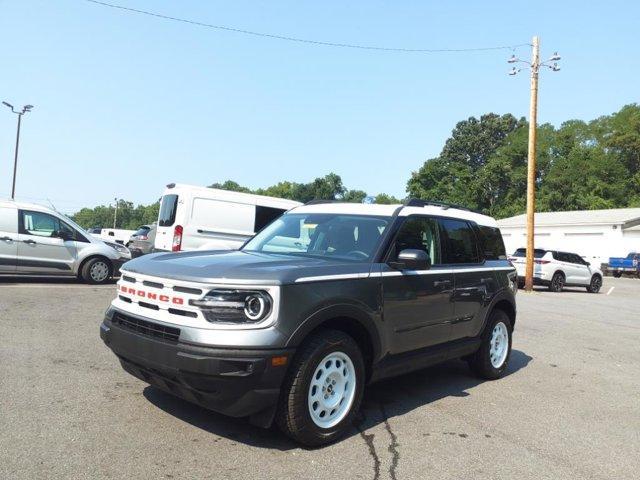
x=25 y=109
x=115 y=214
x=534 y=66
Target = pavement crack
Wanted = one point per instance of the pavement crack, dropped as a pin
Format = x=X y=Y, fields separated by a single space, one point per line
x=393 y=447
x=368 y=440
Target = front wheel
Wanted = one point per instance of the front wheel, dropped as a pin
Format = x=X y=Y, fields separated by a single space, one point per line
x=96 y=270
x=492 y=358
x=323 y=389
x=595 y=285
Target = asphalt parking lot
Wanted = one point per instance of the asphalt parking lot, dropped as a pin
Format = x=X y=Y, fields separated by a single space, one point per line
x=569 y=407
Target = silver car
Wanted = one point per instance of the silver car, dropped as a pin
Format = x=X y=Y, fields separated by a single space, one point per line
x=36 y=240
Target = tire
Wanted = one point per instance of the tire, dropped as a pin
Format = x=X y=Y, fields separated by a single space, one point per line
x=492 y=358
x=595 y=285
x=96 y=270
x=316 y=382
x=557 y=282
x=617 y=274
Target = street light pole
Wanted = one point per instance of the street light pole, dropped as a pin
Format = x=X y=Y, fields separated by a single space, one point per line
x=534 y=66
x=25 y=109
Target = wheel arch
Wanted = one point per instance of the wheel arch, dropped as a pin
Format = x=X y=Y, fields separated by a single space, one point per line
x=91 y=256
x=350 y=320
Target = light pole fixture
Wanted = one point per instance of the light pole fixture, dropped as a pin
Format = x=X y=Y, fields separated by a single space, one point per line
x=19 y=113
x=534 y=66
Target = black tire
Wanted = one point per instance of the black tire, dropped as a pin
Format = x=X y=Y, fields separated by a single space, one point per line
x=595 y=285
x=617 y=274
x=557 y=282
x=293 y=415
x=480 y=362
x=90 y=268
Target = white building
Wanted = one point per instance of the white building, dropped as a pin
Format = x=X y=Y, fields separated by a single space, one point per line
x=596 y=235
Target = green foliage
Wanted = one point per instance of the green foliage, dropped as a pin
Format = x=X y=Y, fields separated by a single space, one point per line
x=579 y=165
x=129 y=217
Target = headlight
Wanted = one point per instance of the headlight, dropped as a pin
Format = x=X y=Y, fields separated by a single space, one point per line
x=118 y=248
x=234 y=306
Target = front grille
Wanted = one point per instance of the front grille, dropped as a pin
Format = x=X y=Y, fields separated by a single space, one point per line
x=146 y=328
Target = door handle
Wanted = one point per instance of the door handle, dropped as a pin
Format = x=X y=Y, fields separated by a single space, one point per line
x=6 y=239
x=30 y=242
x=442 y=283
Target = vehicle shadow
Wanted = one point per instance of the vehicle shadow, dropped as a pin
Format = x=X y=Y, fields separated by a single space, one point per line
x=382 y=401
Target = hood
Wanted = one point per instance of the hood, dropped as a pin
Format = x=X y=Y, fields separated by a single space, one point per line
x=242 y=267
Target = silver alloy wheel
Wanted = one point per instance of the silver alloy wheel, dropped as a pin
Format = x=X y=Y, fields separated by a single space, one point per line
x=499 y=345
x=332 y=390
x=99 y=272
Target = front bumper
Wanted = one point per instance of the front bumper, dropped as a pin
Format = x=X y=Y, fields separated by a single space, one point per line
x=117 y=264
x=234 y=382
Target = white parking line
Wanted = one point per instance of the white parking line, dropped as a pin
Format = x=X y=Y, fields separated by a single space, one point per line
x=610 y=290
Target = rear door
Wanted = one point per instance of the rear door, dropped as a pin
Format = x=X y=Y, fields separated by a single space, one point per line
x=418 y=306
x=8 y=239
x=39 y=249
x=166 y=221
x=472 y=280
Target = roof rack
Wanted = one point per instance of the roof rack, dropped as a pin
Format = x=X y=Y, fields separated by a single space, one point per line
x=417 y=202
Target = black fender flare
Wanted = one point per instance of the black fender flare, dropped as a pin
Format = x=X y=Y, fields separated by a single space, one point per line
x=343 y=310
x=502 y=295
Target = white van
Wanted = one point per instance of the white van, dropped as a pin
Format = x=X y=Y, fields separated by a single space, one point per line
x=201 y=218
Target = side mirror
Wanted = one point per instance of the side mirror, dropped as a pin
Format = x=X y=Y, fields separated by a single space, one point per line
x=587 y=263
x=412 y=259
x=61 y=234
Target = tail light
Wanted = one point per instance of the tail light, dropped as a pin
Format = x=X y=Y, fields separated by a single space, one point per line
x=542 y=262
x=177 y=238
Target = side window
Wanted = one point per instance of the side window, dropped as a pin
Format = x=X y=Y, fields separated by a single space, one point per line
x=576 y=259
x=461 y=245
x=38 y=223
x=420 y=233
x=265 y=215
x=492 y=244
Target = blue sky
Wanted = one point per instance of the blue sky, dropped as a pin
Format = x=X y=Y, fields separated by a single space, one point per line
x=126 y=103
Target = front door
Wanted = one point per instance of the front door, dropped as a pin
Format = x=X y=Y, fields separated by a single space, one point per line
x=418 y=306
x=40 y=250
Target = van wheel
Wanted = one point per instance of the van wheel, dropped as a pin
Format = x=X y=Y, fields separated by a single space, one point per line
x=323 y=389
x=492 y=358
x=557 y=282
x=595 y=285
x=96 y=270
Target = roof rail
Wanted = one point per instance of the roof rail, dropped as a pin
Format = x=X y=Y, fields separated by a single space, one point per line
x=417 y=202
x=317 y=201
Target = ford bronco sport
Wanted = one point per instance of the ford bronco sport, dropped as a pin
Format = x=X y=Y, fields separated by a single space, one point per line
x=325 y=299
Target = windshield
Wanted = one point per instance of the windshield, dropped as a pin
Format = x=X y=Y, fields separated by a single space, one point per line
x=348 y=237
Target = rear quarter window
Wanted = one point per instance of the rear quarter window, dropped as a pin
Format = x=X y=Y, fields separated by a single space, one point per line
x=491 y=243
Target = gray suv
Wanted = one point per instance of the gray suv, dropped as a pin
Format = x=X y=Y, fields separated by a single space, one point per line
x=324 y=300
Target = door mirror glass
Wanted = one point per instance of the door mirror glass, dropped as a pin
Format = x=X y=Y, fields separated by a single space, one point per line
x=63 y=234
x=413 y=259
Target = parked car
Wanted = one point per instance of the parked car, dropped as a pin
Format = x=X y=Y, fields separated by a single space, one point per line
x=200 y=218
x=629 y=264
x=142 y=241
x=557 y=270
x=36 y=240
x=327 y=298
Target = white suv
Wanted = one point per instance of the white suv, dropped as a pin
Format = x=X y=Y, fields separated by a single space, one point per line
x=557 y=270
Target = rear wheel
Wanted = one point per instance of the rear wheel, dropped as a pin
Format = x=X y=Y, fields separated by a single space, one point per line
x=96 y=270
x=617 y=274
x=595 y=285
x=323 y=389
x=557 y=282
x=492 y=358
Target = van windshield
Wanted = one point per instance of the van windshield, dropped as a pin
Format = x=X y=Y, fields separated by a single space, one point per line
x=168 y=208
x=348 y=237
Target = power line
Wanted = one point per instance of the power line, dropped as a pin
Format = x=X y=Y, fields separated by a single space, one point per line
x=303 y=40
